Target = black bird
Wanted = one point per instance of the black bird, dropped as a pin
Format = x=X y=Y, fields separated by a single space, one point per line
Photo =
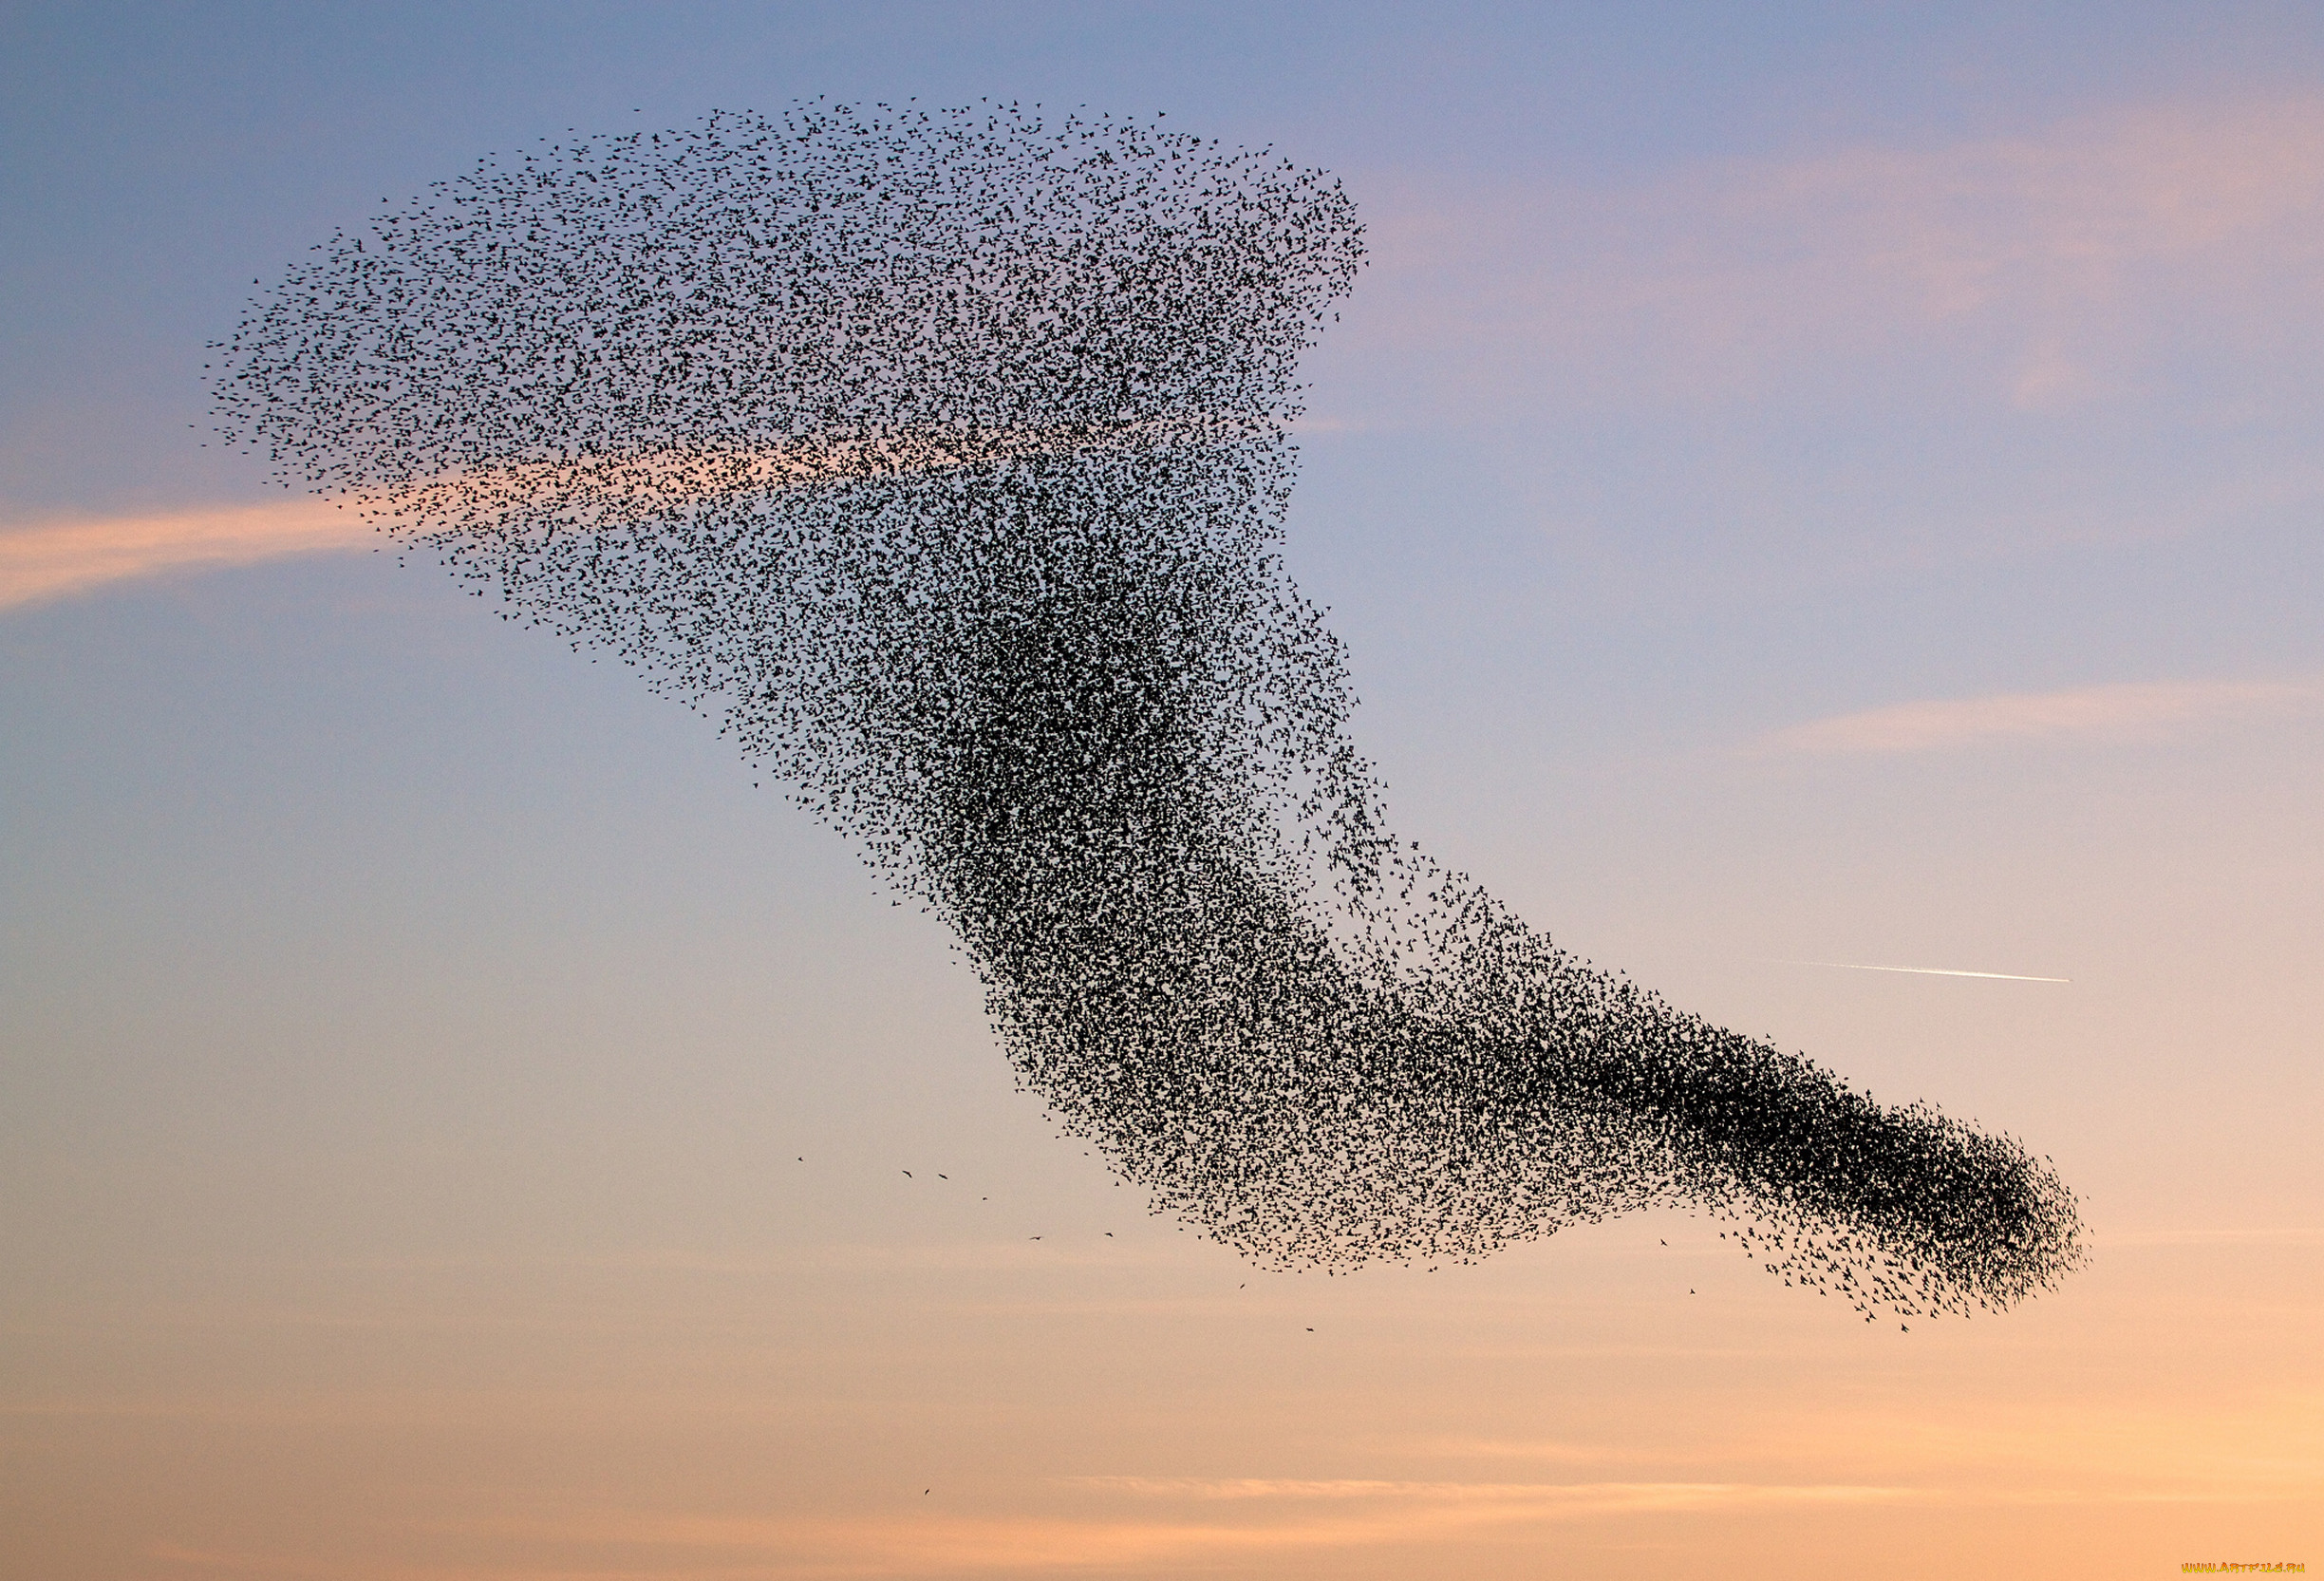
x=943 y=456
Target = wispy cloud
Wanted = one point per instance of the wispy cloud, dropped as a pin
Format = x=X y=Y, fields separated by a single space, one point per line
x=2048 y=269
x=2135 y=711
x=1527 y=1499
x=1247 y=1517
x=2017 y=1455
x=56 y=559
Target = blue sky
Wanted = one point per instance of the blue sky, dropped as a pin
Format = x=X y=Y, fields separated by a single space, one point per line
x=1827 y=483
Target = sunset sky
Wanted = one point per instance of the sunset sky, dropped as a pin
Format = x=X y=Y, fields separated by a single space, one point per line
x=1803 y=487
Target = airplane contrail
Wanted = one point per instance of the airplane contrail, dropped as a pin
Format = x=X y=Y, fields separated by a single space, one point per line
x=1929 y=971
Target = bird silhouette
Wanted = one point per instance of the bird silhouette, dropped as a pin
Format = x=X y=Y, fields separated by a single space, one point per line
x=942 y=458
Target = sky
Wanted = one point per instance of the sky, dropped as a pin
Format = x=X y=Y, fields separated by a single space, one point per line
x=1803 y=488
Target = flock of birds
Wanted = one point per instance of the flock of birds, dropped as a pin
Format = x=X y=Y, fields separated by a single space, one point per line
x=942 y=456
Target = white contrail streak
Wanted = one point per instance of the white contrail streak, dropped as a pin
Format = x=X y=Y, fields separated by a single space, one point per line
x=1929 y=971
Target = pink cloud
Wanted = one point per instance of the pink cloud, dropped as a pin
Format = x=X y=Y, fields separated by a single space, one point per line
x=57 y=559
x=2054 y=267
x=2126 y=712
x=52 y=560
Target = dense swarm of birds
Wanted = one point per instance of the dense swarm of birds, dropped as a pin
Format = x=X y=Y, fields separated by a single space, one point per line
x=943 y=456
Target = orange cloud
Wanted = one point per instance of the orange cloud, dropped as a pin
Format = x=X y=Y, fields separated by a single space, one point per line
x=57 y=559
x=1277 y=1515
